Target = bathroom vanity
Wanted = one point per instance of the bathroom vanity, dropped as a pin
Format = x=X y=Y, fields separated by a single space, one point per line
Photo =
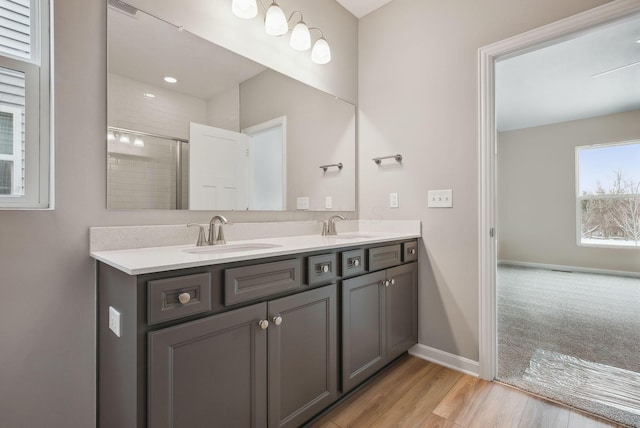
x=263 y=333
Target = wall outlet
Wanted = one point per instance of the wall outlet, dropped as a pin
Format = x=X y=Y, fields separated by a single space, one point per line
x=440 y=198
x=328 y=202
x=393 y=200
x=114 y=321
x=302 y=203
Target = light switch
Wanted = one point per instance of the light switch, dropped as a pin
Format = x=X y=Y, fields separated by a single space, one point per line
x=393 y=200
x=114 y=321
x=440 y=198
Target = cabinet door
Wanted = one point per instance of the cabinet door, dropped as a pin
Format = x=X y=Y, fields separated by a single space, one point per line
x=209 y=372
x=363 y=333
x=303 y=373
x=401 y=309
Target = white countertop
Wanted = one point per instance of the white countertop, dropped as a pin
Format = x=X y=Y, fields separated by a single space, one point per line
x=156 y=259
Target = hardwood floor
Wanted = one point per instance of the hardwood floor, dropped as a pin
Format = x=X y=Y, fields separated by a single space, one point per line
x=418 y=394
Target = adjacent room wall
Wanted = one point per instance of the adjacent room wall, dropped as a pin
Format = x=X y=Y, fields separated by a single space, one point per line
x=418 y=86
x=536 y=192
x=47 y=309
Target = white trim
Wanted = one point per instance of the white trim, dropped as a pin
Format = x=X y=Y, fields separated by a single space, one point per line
x=445 y=359
x=570 y=268
x=487 y=145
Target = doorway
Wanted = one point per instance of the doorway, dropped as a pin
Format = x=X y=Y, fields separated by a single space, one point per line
x=491 y=212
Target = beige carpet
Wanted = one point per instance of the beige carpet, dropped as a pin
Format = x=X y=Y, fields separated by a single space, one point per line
x=595 y=318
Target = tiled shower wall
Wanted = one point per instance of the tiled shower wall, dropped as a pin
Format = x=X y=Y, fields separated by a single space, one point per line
x=140 y=178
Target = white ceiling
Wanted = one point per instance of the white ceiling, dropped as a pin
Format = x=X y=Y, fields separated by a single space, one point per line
x=361 y=8
x=555 y=84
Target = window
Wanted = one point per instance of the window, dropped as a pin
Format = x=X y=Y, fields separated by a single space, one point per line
x=608 y=194
x=24 y=104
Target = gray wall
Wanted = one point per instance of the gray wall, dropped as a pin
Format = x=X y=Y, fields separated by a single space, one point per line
x=47 y=309
x=536 y=192
x=418 y=79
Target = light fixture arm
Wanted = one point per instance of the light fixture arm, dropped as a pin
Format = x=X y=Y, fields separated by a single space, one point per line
x=293 y=13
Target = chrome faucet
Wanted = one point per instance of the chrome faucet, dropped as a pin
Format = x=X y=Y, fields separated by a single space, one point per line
x=330 y=228
x=212 y=230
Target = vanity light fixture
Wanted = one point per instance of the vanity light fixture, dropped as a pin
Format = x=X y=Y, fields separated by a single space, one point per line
x=245 y=9
x=149 y=95
x=300 y=35
x=111 y=136
x=124 y=138
x=276 y=24
x=170 y=79
x=138 y=142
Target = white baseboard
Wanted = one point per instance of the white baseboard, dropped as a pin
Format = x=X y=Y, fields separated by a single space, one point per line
x=570 y=268
x=446 y=359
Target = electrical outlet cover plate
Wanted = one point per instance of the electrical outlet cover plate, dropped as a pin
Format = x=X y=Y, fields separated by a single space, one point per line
x=302 y=203
x=440 y=198
x=328 y=202
x=114 y=321
x=393 y=200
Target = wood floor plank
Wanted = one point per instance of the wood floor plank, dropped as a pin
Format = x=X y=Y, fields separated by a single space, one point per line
x=374 y=400
x=579 y=420
x=463 y=400
x=502 y=407
x=435 y=421
x=539 y=413
x=419 y=402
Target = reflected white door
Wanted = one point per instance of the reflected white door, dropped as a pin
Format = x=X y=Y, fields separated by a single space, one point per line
x=218 y=169
x=268 y=160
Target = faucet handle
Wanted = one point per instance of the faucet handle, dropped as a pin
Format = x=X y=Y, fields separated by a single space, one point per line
x=201 y=239
x=324 y=229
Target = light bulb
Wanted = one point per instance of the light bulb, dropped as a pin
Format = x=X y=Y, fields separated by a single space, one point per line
x=321 y=53
x=275 y=23
x=124 y=138
x=170 y=79
x=111 y=136
x=245 y=9
x=138 y=142
x=300 y=37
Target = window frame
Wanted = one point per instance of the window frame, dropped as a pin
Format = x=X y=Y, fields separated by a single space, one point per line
x=16 y=157
x=580 y=198
x=38 y=144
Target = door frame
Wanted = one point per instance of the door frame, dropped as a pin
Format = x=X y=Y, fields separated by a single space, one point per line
x=487 y=150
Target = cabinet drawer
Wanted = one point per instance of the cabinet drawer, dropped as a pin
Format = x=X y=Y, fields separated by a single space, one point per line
x=352 y=263
x=322 y=269
x=384 y=257
x=165 y=297
x=410 y=251
x=253 y=282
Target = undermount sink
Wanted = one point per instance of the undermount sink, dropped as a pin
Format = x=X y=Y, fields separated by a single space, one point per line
x=229 y=248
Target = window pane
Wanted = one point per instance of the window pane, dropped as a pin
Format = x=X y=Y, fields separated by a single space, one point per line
x=6 y=172
x=611 y=170
x=12 y=126
x=15 y=28
x=6 y=133
x=611 y=221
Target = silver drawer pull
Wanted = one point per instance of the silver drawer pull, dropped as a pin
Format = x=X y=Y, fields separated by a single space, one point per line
x=325 y=268
x=277 y=320
x=393 y=281
x=264 y=324
x=386 y=283
x=184 y=298
x=412 y=251
x=356 y=262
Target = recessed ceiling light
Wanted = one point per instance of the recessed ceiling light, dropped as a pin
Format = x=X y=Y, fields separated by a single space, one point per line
x=149 y=95
x=170 y=79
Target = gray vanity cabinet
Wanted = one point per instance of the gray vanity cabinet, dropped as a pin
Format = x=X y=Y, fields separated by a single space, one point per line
x=379 y=321
x=213 y=369
x=302 y=367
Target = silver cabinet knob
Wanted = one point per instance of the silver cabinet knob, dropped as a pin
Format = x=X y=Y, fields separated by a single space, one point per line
x=184 y=298
x=325 y=268
x=277 y=320
x=264 y=324
x=412 y=251
x=356 y=262
x=393 y=281
x=386 y=283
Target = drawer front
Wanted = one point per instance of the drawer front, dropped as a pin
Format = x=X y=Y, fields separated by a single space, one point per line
x=410 y=251
x=384 y=257
x=322 y=269
x=352 y=263
x=178 y=297
x=253 y=282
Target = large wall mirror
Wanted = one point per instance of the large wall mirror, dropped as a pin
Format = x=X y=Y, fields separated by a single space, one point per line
x=225 y=133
